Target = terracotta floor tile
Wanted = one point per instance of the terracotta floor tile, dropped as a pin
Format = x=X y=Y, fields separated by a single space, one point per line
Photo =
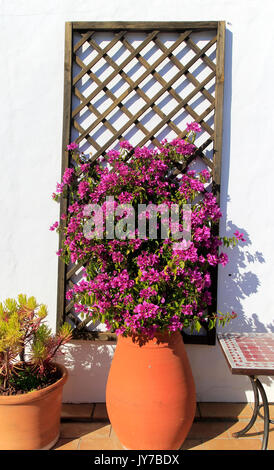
x=209 y=430
x=257 y=431
x=225 y=410
x=99 y=444
x=74 y=430
x=233 y=444
x=241 y=424
x=66 y=444
x=115 y=439
x=259 y=427
x=100 y=412
x=205 y=434
x=271 y=413
x=193 y=444
x=75 y=411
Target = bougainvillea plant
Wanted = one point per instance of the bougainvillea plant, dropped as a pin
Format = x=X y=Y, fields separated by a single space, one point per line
x=140 y=283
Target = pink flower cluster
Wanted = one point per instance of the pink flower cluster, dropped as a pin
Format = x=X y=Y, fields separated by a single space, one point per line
x=143 y=285
x=193 y=126
x=54 y=226
x=239 y=236
x=72 y=146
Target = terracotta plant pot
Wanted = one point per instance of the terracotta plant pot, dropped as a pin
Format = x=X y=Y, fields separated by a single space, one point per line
x=31 y=421
x=150 y=393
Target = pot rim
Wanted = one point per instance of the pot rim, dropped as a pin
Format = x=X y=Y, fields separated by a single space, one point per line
x=24 y=398
x=159 y=340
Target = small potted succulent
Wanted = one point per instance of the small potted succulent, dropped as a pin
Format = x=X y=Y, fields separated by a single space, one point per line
x=31 y=383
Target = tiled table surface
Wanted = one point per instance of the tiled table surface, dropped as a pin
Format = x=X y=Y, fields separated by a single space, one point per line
x=248 y=353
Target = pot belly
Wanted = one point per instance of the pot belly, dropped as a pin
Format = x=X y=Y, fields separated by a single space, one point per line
x=150 y=393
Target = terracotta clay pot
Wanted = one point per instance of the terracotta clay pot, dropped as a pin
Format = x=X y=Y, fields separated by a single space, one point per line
x=31 y=421
x=150 y=393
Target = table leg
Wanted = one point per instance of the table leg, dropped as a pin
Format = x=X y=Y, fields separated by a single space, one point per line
x=257 y=386
x=266 y=414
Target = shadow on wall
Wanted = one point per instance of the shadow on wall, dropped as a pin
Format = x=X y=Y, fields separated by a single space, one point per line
x=235 y=282
x=88 y=366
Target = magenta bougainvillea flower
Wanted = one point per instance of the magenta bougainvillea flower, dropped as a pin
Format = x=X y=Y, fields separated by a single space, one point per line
x=239 y=236
x=138 y=282
x=72 y=146
x=54 y=226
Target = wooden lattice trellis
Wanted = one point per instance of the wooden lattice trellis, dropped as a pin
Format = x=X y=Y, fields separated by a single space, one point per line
x=142 y=81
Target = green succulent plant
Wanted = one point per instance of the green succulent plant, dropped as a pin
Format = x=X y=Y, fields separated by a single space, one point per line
x=21 y=326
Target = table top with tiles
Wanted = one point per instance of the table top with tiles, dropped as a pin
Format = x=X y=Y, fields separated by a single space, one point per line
x=248 y=353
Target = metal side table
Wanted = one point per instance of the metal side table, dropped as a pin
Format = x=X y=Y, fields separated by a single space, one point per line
x=251 y=354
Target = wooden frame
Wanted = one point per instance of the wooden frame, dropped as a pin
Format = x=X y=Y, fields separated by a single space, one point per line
x=119 y=29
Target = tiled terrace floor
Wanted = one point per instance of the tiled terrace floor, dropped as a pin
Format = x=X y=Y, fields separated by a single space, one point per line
x=86 y=427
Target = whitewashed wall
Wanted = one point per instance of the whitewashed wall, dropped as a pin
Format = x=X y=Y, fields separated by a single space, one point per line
x=31 y=83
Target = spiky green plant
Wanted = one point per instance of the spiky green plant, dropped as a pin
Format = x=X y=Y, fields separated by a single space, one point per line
x=10 y=341
x=45 y=345
x=21 y=326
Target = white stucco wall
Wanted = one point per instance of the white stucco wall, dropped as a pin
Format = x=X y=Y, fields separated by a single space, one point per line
x=31 y=83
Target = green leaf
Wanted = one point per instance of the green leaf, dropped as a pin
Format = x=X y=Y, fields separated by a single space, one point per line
x=198 y=325
x=11 y=305
x=22 y=300
x=43 y=311
x=31 y=303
